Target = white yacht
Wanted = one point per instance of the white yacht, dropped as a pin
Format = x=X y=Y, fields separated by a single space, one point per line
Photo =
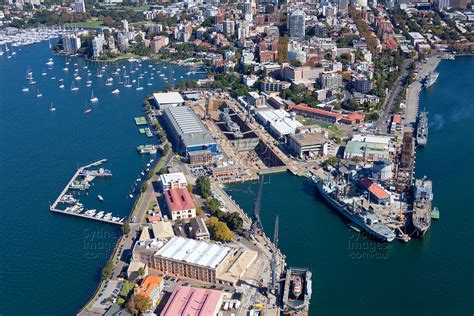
x=94 y=99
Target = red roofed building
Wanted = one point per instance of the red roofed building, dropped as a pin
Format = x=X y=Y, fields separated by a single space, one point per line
x=151 y=287
x=376 y=193
x=180 y=203
x=191 y=301
x=153 y=219
x=353 y=118
x=268 y=56
x=396 y=119
x=319 y=114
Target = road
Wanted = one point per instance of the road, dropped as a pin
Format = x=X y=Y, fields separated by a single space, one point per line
x=389 y=103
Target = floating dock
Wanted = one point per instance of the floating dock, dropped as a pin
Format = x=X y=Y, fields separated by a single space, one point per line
x=81 y=172
x=140 y=120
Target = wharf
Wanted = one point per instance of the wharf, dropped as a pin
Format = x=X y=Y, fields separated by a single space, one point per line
x=140 y=121
x=85 y=216
x=414 y=89
x=79 y=172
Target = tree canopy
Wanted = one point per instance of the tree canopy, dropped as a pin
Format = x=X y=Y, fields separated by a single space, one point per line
x=219 y=230
x=138 y=304
x=204 y=186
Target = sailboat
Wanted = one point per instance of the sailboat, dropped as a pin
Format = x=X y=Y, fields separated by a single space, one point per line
x=86 y=109
x=127 y=83
x=94 y=99
x=52 y=108
x=149 y=82
x=44 y=73
x=25 y=89
x=139 y=87
x=74 y=88
x=116 y=91
x=61 y=86
x=50 y=62
x=38 y=94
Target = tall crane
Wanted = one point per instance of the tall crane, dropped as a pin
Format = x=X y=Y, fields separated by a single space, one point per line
x=273 y=261
x=257 y=226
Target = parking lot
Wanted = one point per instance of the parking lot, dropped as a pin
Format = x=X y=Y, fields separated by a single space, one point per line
x=111 y=290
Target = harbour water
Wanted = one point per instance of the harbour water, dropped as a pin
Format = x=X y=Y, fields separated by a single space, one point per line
x=353 y=275
x=51 y=263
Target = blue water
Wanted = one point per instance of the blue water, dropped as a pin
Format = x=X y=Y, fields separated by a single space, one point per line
x=51 y=263
x=356 y=276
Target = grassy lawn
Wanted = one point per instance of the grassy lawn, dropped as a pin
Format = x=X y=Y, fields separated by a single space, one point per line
x=311 y=121
x=151 y=203
x=334 y=131
x=127 y=288
x=87 y=25
x=125 y=8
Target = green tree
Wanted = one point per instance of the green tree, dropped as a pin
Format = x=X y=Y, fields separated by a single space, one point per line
x=141 y=272
x=144 y=186
x=126 y=227
x=331 y=161
x=219 y=230
x=204 y=186
x=138 y=304
x=214 y=205
x=107 y=270
x=189 y=186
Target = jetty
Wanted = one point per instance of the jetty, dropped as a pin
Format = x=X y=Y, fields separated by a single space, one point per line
x=82 y=171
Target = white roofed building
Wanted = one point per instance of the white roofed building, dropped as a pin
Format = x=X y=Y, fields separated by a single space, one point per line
x=166 y=100
x=279 y=122
x=196 y=259
x=173 y=180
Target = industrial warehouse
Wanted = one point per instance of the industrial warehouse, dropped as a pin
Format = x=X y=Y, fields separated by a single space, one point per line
x=187 y=131
x=195 y=259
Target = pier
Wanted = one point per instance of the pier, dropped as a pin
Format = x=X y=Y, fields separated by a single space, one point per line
x=81 y=172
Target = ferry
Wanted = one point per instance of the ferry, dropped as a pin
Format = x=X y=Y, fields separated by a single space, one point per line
x=147 y=149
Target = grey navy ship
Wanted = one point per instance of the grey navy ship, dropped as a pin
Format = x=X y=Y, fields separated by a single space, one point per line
x=422 y=206
x=363 y=218
x=422 y=128
x=430 y=79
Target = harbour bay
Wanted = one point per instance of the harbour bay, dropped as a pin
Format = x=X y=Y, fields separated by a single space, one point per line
x=51 y=263
x=353 y=275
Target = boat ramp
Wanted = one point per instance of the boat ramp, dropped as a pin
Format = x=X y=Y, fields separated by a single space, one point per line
x=75 y=208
